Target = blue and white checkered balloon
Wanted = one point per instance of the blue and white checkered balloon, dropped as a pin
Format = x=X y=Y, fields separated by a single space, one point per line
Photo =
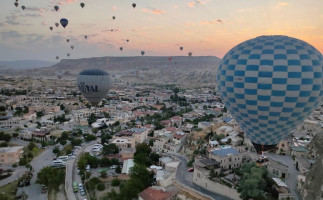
x=270 y=84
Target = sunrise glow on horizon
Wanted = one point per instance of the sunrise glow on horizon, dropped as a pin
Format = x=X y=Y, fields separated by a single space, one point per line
x=159 y=27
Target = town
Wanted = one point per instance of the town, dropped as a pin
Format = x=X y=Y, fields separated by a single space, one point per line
x=143 y=141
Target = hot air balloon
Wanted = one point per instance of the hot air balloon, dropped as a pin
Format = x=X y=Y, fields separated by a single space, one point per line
x=85 y=37
x=72 y=47
x=16 y=4
x=56 y=24
x=64 y=22
x=67 y=40
x=57 y=57
x=127 y=40
x=270 y=84
x=133 y=5
x=82 y=5
x=181 y=48
x=23 y=7
x=51 y=28
x=189 y=54
x=142 y=53
x=59 y=76
x=68 y=55
x=121 y=48
x=56 y=8
x=94 y=84
x=170 y=58
x=113 y=17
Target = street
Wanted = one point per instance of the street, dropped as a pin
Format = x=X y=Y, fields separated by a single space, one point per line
x=45 y=159
x=291 y=180
x=186 y=178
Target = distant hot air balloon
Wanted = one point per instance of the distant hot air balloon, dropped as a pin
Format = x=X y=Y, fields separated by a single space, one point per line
x=111 y=30
x=133 y=5
x=56 y=8
x=142 y=53
x=189 y=54
x=16 y=4
x=181 y=48
x=85 y=37
x=94 y=84
x=51 y=28
x=57 y=57
x=113 y=17
x=56 y=24
x=23 y=7
x=68 y=55
x=67 y=40
x=72 y=47
x=170 y=58
x=59 y=76
x=270 y=84
x=121 y=48
x=127 y=40
x=64 y=22
x=82 y=5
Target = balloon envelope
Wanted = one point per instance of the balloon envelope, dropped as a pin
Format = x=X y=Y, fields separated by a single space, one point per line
x=56 y=8
x=16 y=4
x=56 y=24
x=94 y=84
x=134 y=5
x=142 y=53
x=82 y=5
x=189 y=54
x=121 y=48
x=64 y=22
x=181 y=48
x=51 y=28
x=270 y=84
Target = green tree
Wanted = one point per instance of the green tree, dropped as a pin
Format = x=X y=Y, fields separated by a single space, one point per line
x=31 y=145
x=118 y=169
x=104 y=174
x=115 y=182
x=141 y=173
x=91 y=119
x=90 y=137
x=76 y=142
x=100 y=187
x=51 y=177
x=143 y=148
x=5 y=136
x=110 y=149
x=142 y=158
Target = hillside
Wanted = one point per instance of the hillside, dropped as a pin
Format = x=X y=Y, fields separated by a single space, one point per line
x=24 y=64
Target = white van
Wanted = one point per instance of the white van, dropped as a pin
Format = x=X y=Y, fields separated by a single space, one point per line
x=96 y=149
x=64 y=158
x=88 y=168
x=58 y=163
x=98 y=145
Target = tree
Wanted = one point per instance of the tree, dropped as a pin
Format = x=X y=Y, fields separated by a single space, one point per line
x=141 y=173
x=51 y=177
x=4 y=144
x=15 y=135
x=101 y=186
x=90 y=137
x=115 y=182
x=105 y=162
x=118 y=169
x=142 y=158
x=76 y=142
x=62 y=107
x=91 y=119
x=110 y=149
x=40 y=114
x=31 y=145
x=106 y=115
x=5 y=136
x=63 y=142
x=151 y=142
x=103 y=174
x=81 y=163
x=143 y=148
x=56 y=150
x=154 y=157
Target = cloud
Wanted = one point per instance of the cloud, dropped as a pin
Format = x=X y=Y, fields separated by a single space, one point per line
x=191 y=4
x=212 y=22
x=175 y=6
x=282 y=4
x=67 y=2
x=153 y=11
x=7 y=35
x=114 y=7
x=202 y=2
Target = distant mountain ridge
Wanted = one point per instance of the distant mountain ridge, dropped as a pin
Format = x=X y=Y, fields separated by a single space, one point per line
x=24 y=64
x=136 y=63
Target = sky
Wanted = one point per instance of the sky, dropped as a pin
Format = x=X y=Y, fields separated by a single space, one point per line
x=158 y=27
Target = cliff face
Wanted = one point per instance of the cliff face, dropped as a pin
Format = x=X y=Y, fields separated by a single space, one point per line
x=313 y=187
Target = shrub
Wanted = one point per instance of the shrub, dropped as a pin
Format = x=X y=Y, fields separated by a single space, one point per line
x=115 y=182
x=103 y=174
x=22 y=161
x=101 y=187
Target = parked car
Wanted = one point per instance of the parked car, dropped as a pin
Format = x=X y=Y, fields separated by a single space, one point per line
x=78 y=171
x=82 y=192
x=114 y=167
x=191 y=169
x=88 y=168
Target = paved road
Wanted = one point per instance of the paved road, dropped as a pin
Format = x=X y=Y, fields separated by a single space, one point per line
x=45 y=159
x=71 y=174
x=19 y=171
x=186 y=178
x=291 y=180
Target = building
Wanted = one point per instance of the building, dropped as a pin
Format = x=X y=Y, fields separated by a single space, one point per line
x=124 y=143
x=154 y=194
x=299 y=151
x=282 y=189
x=10 y=155
x=277 y=169
x=303 y=164
x=127 y=153
x=228 y=157
x=127 y=164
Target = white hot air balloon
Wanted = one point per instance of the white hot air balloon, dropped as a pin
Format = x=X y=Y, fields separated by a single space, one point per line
x=94 y=84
